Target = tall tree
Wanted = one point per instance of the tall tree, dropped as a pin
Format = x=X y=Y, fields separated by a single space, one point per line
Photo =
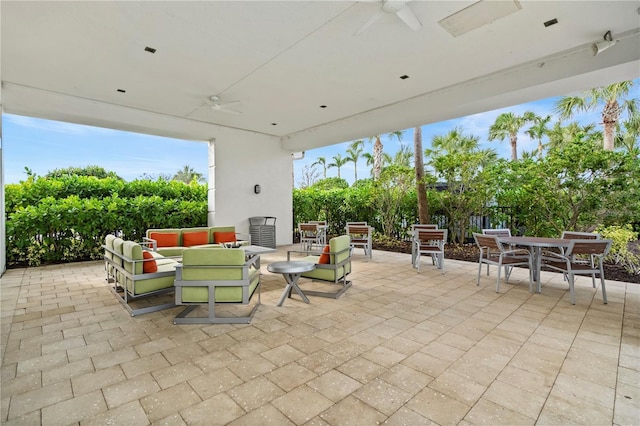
x=354 y=151
x=508 y=125
x=378 y=149
x=188 y=174
x=338 y=162
x=421 y=188
x=629 y=138
x=402 y=157
x=560 y=135
x=457 y=160
x=538 y=130
x=308 y=177
x=322 y=162
x=614 y=104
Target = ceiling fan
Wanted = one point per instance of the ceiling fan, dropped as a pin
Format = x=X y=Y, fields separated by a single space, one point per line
x=216 y=105
x=400 y=8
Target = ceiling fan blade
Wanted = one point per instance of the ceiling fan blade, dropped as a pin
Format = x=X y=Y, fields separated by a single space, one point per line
x=226 y=104
x=409 y=18
x=222 y=108
x=370 y=22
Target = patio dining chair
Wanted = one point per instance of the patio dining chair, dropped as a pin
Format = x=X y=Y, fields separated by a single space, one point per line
x=430 y=242
x=413 y=234
x=311 y=236
x=574 y=235
x=322 y=226
x=500 y=232
x=493 y=252
x=566 y=263
x=361 y=236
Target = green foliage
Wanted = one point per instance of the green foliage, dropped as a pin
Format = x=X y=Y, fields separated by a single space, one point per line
x=187 y=175
x=66 y=219
x=574 y=187
x=462 y=166
x=620 y=253
x=95 y=171
x=330 y=183
x=358 y=203
x=391 y=188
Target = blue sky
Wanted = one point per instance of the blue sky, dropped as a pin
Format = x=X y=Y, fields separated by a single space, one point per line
x=44 y=145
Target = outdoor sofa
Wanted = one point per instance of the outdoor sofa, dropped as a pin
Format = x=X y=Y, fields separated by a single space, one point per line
x=172 y=241
x=135 y=272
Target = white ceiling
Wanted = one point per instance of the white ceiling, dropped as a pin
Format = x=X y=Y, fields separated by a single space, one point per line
x=284 y=59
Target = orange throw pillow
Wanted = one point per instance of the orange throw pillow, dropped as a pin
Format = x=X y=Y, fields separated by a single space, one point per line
x=195 y=238
x=165 y=239
x=224 y=237
x=151 y=266
x=324 y=257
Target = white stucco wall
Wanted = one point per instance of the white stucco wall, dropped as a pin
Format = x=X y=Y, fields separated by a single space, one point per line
x=238 y=162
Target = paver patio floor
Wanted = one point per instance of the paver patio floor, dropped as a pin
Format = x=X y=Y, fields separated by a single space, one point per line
x=398 y=348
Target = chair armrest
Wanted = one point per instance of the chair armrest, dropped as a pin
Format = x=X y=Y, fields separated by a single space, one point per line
x=517 y=252
x=244 y=237
x=150 y=243
x=551 y=255
x=306 y=252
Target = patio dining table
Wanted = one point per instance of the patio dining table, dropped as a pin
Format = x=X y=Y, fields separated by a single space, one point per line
x=536 y=244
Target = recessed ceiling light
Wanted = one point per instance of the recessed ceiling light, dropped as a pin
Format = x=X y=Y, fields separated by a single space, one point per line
x=121 y=90
x=150 y=49
x=551 y=22
x=404 y=77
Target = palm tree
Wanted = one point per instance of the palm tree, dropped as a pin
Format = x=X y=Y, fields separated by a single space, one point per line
x=323 y=162
x=377 y=152
x=421 y=188
x=452 y=142
x=338 y=162
x=560 y=135
x=611 y=96
x=188 y=174
x=402 y=157
x=508 y=125
x=456 y=142
x=538 y=130
x=629 y=140
x=354 y=151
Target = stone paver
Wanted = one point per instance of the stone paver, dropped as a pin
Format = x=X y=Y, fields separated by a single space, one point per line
x=399 y=347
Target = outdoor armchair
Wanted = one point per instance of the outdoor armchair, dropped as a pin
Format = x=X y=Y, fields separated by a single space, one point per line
x=214 y=276
x=337 y=255
x=493 y=252
x=567 y=262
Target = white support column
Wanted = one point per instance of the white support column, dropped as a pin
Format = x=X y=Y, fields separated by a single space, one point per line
x=211 y=179
x=3 y=225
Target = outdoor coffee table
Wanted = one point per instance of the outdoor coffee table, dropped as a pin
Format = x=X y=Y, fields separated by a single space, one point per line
x=291 y=270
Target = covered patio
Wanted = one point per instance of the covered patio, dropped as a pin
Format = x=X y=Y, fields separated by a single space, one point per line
x=399 y=347
x=261 y=82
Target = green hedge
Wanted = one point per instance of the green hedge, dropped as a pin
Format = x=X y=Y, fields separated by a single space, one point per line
x=66 y=219
x=31 y=191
